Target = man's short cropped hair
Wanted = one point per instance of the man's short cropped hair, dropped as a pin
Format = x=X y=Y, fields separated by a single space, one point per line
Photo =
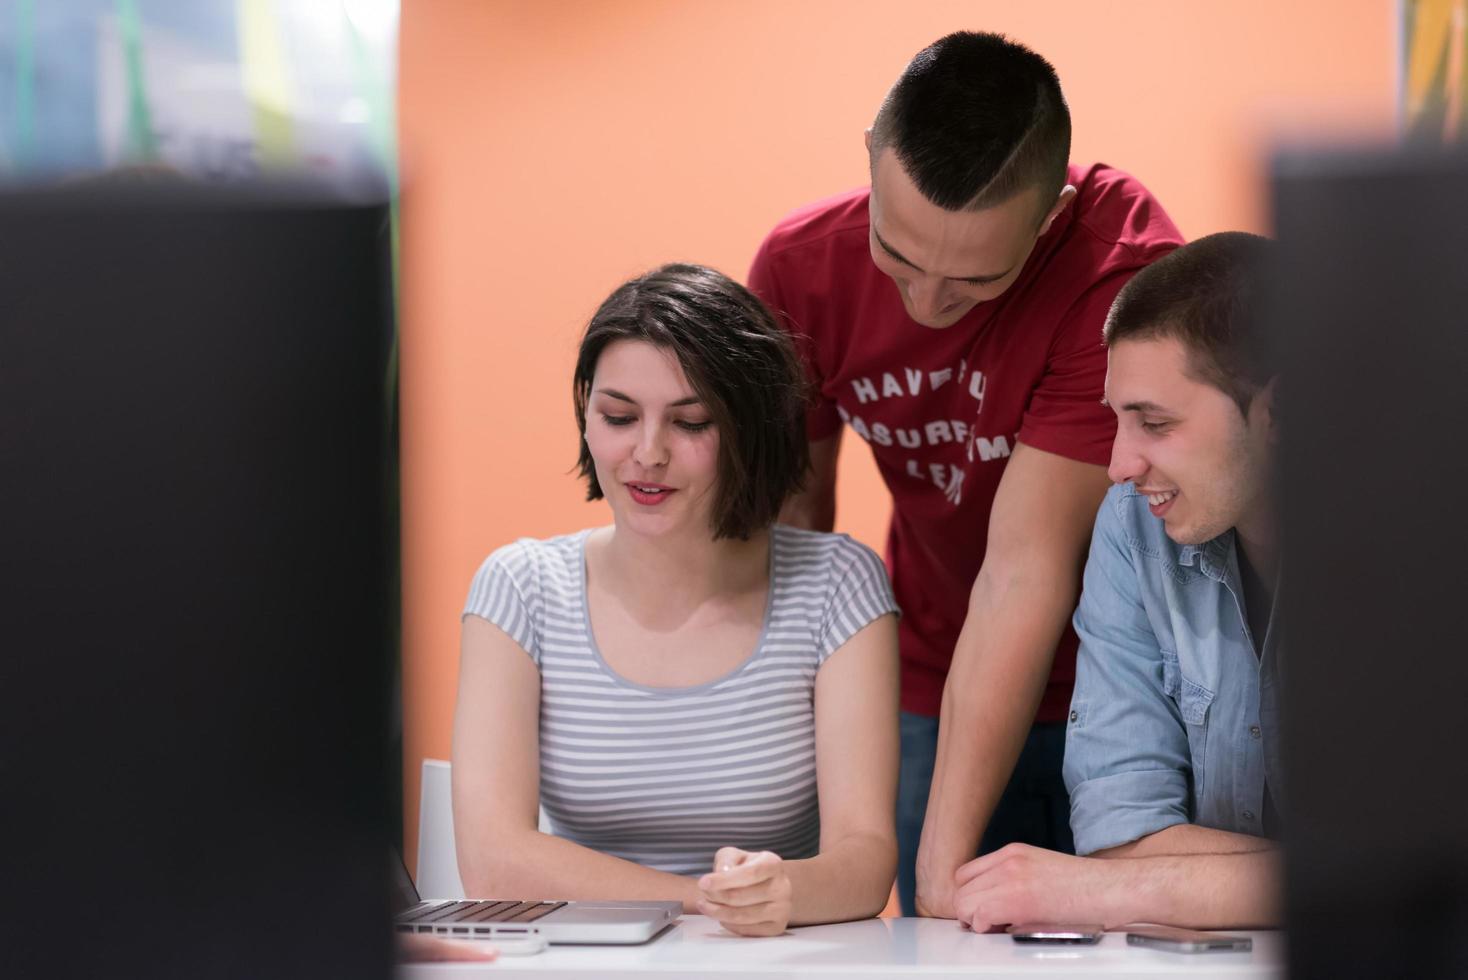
x=742 y=366
x=1207 y=296
x=974 y=120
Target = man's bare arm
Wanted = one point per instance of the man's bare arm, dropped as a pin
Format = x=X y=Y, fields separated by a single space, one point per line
x=1019 y=883
x=1203 y=891
x=1039 y=531
x=814 y=508
x=1186 y=838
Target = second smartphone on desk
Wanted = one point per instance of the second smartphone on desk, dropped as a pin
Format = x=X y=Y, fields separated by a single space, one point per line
x=1187 y=940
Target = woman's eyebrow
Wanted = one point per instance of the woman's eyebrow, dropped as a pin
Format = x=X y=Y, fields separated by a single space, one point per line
x=613 y=393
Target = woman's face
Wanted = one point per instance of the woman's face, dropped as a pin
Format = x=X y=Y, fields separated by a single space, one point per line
x=654 y=444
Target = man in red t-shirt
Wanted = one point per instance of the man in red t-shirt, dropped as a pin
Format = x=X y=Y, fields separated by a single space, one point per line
x=951 y=316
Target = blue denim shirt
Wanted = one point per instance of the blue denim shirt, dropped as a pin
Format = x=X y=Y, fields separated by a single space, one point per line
x=1174 y=718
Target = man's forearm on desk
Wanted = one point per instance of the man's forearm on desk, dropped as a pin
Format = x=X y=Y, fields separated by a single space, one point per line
x=1021 y=602
x=1020 y=883
x=1201 y=891
x=999 y=671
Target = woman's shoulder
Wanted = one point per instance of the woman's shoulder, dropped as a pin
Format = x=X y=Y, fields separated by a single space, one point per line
x=832 y=555
x=541 y=549
x=532 y=562
x=841 y=583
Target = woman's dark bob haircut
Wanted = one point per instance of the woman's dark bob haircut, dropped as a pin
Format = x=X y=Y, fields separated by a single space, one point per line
x=743 y=368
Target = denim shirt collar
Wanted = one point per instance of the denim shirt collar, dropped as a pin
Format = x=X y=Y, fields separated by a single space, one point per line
x=1212 y=557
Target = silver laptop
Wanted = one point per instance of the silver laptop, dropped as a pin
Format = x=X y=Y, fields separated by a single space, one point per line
x=586 y=923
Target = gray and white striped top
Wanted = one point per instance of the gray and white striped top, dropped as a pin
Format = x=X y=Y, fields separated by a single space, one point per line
x=667 y=776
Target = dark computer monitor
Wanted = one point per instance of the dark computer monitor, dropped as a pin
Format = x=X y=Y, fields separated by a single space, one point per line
x=1372 y=308
x=194 y=582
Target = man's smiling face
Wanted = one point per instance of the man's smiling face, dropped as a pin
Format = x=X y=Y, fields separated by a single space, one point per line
x=1183 y=443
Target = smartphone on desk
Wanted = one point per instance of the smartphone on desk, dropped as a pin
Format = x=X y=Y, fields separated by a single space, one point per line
x=1186 y=940
x=1032 y=932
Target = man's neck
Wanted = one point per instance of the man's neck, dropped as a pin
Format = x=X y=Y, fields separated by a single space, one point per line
x=1258 y=541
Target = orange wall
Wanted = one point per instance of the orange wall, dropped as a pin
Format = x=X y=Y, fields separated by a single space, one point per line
x=551 y=150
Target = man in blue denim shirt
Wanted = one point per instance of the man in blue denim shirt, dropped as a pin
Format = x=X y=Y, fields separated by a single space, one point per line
x=1172 y=753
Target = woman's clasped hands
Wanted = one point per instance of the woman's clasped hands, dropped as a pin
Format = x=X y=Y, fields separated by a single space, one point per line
x=748 y=893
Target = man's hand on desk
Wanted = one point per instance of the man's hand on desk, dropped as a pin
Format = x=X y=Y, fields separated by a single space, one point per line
x=749 y=894
x=1019 y=883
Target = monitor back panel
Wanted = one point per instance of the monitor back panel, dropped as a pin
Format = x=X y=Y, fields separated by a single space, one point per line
x=1370 y=305
x=194 y=583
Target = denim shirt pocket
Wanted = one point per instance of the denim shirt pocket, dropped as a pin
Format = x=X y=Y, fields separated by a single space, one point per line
x=1193 y=701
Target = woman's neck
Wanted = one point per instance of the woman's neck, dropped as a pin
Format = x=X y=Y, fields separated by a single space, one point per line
x=667 y=575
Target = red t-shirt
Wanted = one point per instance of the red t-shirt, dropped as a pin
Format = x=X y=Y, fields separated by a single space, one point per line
x=943 y=409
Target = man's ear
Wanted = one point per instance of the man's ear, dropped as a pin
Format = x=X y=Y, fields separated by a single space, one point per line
x=866 y=137
x=1067 y=194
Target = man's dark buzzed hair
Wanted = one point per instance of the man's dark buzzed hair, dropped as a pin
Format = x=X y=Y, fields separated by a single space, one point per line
x=1207 y=296
x=974 y=120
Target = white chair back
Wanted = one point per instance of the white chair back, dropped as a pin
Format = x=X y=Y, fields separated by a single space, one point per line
x=438 y=862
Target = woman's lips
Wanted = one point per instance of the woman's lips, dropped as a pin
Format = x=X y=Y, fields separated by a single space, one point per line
x=649 y=494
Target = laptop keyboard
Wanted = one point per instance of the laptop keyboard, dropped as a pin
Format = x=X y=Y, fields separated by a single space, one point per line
x=488 y=911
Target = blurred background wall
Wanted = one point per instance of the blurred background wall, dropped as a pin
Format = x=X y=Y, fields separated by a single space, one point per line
x=220 y=90
x=551 y=150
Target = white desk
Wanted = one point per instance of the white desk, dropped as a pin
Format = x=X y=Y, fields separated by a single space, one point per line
x=926 y=948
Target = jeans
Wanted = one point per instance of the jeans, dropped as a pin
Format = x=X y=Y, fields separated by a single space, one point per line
x=1033 y=809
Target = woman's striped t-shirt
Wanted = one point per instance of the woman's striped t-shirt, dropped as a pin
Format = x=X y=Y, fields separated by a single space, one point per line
x=667 y=776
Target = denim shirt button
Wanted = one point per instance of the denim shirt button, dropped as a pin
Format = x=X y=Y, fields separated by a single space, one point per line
x=1254 y=731
x=1248 y=814
x=1074 y=715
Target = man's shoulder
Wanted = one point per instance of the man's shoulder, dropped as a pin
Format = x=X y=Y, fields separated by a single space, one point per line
x=841 y=216
x=1120 y=218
